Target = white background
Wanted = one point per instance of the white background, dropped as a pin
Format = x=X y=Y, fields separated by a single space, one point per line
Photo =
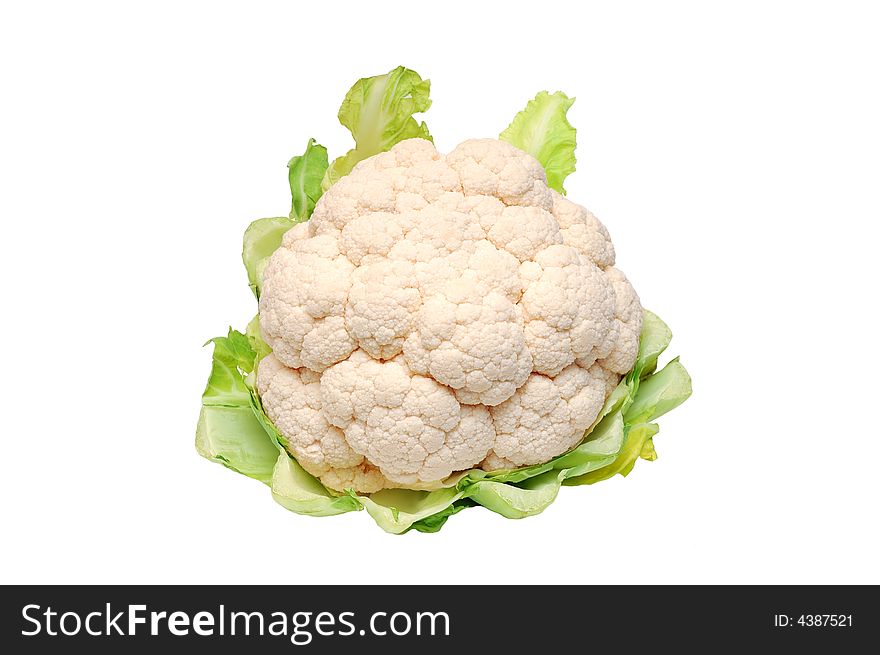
x=732 y=152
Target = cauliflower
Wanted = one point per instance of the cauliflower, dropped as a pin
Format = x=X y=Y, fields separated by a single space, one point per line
x=435 y=331
x=439 y=313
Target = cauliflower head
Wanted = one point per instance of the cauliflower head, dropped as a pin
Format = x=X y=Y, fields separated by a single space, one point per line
x=440 y=313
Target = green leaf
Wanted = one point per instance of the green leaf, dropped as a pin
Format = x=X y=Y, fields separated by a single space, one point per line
x=378 y=111
x=305 y=173
x=263 y=236
x=542 y=130
x=648 y=452
x=397 y=510
x=599 y=449
x=655 y=395
x=436 y=521
x=261 y=239
x=654 y=339
x=226 y=384
x=228 y=431
x=528 y=498
x=659 y=393
x=233 y=437
x=236 y=349
x=636 y=438
x=299 y=492
x=255 y=339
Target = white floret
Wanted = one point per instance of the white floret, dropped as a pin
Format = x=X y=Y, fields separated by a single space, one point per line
x=382 y=305
x=568 y=306
x=494 y=168
x=583 y=231
x=471 y=342
x=628 y=324
x=410 y=426
x=305 y=290
x=441 y=312
x=292 y=400
x=546 y=417
x=524 y=231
